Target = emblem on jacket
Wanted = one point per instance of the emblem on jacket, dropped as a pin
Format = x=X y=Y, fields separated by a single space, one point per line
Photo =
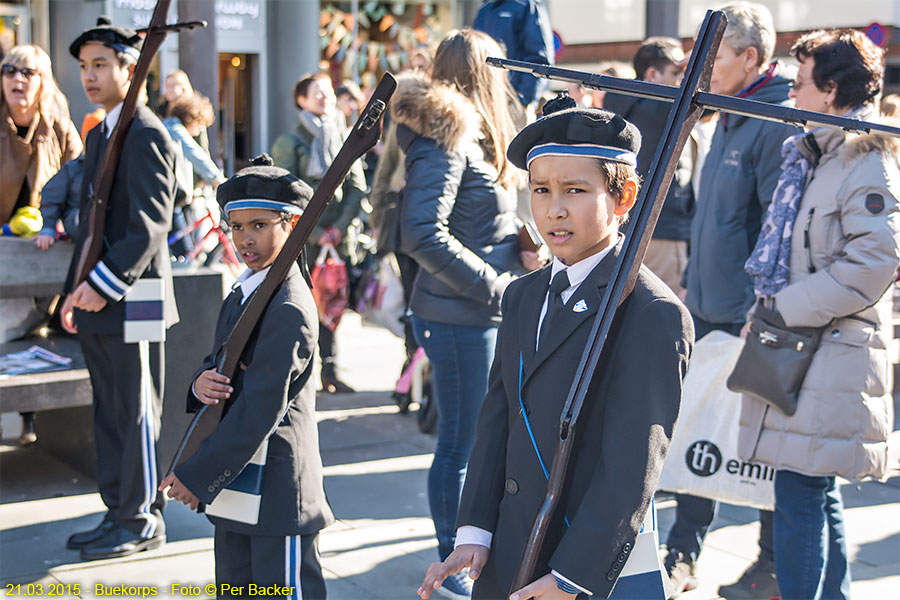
x=580 y=306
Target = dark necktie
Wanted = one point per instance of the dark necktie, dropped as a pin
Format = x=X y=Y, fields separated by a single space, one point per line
x=555 y=304
x=232 y=307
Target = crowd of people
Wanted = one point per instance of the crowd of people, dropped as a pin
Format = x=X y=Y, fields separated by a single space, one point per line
x=800 y=221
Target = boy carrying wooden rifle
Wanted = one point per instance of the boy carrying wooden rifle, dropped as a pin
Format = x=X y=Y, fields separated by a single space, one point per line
x=260 y=472
x=581 y=170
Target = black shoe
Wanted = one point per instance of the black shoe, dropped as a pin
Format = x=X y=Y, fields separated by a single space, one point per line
x=79 y=540
x=682 y=573
x=118 y=542
x=333 y=385
x=28 y=435
x=757 y=582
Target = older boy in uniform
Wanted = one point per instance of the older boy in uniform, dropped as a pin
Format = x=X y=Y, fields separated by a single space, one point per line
x=124 y=355
x=581 y=174
x=260 y=471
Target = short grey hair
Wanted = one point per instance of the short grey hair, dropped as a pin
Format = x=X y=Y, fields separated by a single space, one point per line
x=750 y=25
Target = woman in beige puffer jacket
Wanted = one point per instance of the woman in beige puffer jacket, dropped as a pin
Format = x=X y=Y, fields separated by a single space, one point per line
x=844 y=255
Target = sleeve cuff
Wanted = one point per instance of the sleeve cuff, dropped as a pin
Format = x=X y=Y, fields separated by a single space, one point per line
x=107 y=283
x=47 y=231
x=469 y=534
x=567 y=585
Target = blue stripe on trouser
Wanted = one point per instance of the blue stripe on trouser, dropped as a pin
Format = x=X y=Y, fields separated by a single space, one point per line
x=292 y=561
x=148 y=446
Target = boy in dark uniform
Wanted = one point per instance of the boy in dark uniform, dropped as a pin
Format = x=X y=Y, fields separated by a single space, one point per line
x=583 y=183
x=125 y=357
x=260 y=472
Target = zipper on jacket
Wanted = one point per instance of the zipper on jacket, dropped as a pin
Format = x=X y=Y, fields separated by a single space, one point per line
x=809 y=260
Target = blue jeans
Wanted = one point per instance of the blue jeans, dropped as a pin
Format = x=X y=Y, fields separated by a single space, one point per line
x=460 y=361
x=810 y=549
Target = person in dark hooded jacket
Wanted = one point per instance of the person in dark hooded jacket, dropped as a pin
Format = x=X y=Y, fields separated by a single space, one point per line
x=736 y=186
x=661 y=60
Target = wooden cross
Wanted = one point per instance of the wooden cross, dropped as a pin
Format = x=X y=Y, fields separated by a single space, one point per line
x=689 y=101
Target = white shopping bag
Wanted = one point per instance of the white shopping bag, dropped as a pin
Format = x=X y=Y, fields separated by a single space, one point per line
x=703 y=459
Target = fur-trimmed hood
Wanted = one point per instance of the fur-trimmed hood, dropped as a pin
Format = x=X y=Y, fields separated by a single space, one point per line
x=887 y=145
x=435 y=110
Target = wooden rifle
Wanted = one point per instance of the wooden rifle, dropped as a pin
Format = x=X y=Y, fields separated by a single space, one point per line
x=100 y=188
x=689 y=101
x=362 y=138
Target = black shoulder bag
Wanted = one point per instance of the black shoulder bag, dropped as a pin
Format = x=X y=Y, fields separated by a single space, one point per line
x=774 y=360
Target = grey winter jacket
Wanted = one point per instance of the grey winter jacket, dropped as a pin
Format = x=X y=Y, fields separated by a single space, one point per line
x=456 y=221
x=736 y=186
x=845 y=250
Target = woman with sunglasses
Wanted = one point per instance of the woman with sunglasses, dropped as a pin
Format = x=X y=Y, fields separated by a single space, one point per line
x=37 y=137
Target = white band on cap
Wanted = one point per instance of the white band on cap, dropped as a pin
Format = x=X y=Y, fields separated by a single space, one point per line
x=263 y=203
x=129 y=50
x=586 y=150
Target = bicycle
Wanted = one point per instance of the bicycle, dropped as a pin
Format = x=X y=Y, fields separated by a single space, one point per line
x=222 y=252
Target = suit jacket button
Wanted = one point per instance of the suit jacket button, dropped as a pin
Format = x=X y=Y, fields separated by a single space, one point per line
x=210 y=489
x=626 y=548
x=227 y=472
x=221 y=478
x=611 y=576
x=616 y=566
x=512 y=487
x=621 y=557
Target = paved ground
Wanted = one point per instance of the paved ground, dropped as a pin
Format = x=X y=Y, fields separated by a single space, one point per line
x=376 y=464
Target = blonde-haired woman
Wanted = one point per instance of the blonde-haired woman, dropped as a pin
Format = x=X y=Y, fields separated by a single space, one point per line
x=36 y=134
x=458 y=223
x=36 y=139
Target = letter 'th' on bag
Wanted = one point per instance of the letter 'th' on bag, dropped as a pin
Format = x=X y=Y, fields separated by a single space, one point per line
x=774 y=360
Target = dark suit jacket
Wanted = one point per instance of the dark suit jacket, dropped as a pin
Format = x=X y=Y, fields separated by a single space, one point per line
x=623 y=432
x=272 y=391
x=138 y=219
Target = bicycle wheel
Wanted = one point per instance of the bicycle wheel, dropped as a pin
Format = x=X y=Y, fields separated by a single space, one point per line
x=217 y=256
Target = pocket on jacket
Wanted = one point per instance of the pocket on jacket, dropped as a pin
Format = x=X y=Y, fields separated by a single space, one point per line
x=843 y=362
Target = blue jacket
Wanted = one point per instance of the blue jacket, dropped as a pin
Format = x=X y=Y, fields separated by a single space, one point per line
x=60 y=198
x=524 y=28
x=736 y=186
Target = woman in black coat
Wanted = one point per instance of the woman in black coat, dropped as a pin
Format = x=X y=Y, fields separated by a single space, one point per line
x=458 y=223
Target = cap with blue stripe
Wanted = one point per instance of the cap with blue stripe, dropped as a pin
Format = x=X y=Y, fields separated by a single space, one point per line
x=584 y=150
x=263 y=203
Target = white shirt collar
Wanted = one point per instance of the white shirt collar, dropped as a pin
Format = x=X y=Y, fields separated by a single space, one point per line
x=249 y=281
x=112 y=117
x=580 y=270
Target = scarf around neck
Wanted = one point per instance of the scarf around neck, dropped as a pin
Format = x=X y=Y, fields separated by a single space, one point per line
x=769 y=264
x=326 y=142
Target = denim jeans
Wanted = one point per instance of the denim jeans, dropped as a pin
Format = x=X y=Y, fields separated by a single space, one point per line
x=460 y=359
x=810 y=549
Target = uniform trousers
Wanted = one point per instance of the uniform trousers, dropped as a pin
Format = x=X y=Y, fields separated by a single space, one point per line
x=271 y=561
x=127 y=418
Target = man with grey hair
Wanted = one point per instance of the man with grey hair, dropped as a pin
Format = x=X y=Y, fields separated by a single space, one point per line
x=736 y=186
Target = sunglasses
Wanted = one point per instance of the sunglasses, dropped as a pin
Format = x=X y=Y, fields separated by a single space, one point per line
x=11 y=70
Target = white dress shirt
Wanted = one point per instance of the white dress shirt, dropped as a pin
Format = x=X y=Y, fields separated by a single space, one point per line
x=249 y=281
x=111 y=118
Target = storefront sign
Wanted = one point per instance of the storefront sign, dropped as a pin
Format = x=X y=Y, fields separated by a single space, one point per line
x=240 y=23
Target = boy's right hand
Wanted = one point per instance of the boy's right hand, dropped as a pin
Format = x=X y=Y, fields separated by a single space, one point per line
x=211 y=386
x=473 y=556
x=44 y=241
